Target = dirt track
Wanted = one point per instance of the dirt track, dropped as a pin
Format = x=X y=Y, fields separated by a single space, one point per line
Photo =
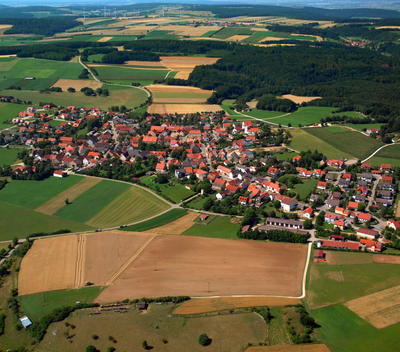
x=206 y=305
x=185 y=265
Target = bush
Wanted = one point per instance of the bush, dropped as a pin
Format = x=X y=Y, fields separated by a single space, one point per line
x=91 y=348
x=204 y=340
x=95 y=337
x=111 y=349
x=2 y=323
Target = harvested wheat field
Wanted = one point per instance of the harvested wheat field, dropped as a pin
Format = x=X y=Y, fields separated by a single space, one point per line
x=181 y=108
x=205 y=305
x=104 y=39
x=64 y=84
x=388 y=27
x=188 y=30
x=106 y=252
x=298 y=99
x=57 y=202
x=3 y=28
x=15 y=55
x=387 y=259
x=252 y=104
x=380 y=309
x=180 y=100
x=237 y=38
x=176 y=227
x=271 y=38
x=49 y=265
x=185 y=64
x=185 y=265
x=290 y=348
x=161 y=88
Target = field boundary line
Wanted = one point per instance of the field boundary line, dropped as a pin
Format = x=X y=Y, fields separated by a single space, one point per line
x=167 y=74
x=129 y=261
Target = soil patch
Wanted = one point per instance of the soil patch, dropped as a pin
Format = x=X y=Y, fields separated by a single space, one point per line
x=290 y=348
x=181 y=108
x=252 y=104
x=64 y=84
x=176 y=227
x=49 y=265
x=185 y=64
x=206 y=305
x=387 y=259
x=380 y=309
x=185 y=265
x=297 y=99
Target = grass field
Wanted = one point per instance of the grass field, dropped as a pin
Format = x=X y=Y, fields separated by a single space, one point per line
x=129 y=74
x=388 y=155
x=161 y=220
x=20 y=222
x=159 y=34
x=198 y=202
x=46 y=72
x=341 y=282
x=129 y=97
x=278 y=334
x=304 y=189
x=354 y=143
x=39 y=304
x=130 y=329
x=304 y=141
x=228 y=32
x=133 y=205
x=377 y=161
x=367 y=126
x=342 y=330
x=263 y=114
x=90 y=203
x=32 y=194
x=8 y=112
x=177 y=193
x=8 y=156
x=219 y=228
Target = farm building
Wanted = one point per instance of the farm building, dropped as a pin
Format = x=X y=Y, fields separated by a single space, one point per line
x=142 y=305
x=25 y=321
x=337 y=238
x=203 y=217
x=338 y=245
x=59 y=174
x=285 y=223
x=373 y=246
x=319 y=256
x=29 y=78
x=393 y=224
x=367 y=233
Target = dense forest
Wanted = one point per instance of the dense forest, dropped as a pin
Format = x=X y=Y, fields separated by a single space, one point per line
x=346 y=77
x=119 y=57
x=42 y=26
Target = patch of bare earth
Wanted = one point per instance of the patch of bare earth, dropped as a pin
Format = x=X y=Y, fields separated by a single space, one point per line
x=380 y=309
x=387 y=259
x=195 y=266
x=205 y=305
x=64 y=84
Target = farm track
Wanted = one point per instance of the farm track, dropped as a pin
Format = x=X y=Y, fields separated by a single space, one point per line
x=80 y=261
x=111 y=280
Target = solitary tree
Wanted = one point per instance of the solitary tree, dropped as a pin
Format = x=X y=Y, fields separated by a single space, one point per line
x=144 y=344
x=66 y=201
x=204 y=340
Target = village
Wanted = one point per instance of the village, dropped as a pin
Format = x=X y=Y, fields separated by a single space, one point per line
x=234 y=164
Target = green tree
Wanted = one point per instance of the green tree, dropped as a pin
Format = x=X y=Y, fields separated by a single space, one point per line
x=71 y=90
x=91 y=348
x=204 y=340
x=15 y=241
x=307 y=224
x=144 y=344
x=66 y=201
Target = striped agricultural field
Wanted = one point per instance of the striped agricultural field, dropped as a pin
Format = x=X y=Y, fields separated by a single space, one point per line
x=56 y=203
x=133 y=205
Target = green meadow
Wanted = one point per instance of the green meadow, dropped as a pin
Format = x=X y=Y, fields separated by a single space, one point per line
x=220 y=227
x=8 y=156
x=9 y=111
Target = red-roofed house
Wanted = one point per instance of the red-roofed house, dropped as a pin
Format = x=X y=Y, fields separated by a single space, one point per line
x=218 y=184
x=243 y=200
x=394 y=224
x=339 y=245
x=224 y=170
x=149 y=139
x=161 y=167
x=321 y=185
x=373 y=246
x=364 y=217
x=308 y=213
x=346 y=177
x=386 y=168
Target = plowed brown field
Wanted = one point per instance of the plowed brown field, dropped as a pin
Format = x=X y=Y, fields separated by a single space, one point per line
x=380 y=309
x=206 y=305
x=185 y=265
x=49 y=265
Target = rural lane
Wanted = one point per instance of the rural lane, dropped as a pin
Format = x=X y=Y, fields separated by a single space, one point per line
x=376 y=151
x=112 y=84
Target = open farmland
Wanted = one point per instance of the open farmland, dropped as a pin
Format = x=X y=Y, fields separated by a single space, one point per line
x=206 y=305
x=386 y=259
x=8 y=156
x=176 y=227
x=186 y=264
x=388 y=155
x=133 y=205
x=154 y=325
x=220 y=227
x=128 y=96
x=380 y=309
x=33 y=194
x=330 y=284
x=64 y=84
x=185 y=64
x=8 y=112
x=304 y=141
x=298 y=99
x=178 y=94
x=291 y=348
x=182 y=108
x=49 y=265
x=354 y=143
x=188 y=30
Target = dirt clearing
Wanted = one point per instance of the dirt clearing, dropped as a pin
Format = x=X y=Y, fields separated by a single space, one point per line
x=238 y=37
x=185 y=265
x=387 y=259
x=104 y=39
x=57 y=202
x=49 y=265
x=206 y=305
x=297 y=99
x=380 y=309
x=182 y=108
x=290 y=348
x=64 y=84
x=176 y=227
x=107 y=251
